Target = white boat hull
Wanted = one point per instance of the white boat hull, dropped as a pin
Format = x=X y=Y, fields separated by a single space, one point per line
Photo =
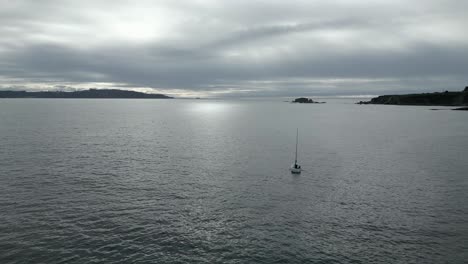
x=295 y=170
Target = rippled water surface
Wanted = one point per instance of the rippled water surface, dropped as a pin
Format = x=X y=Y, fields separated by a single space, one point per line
x=181 y=181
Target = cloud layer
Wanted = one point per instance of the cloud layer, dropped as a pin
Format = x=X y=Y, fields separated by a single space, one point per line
x=235 y=48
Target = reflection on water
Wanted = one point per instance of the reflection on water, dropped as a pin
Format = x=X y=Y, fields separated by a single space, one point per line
x=186 y=181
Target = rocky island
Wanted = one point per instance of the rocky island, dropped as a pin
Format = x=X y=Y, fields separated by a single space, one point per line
x=91 y=93
x=435 y=99
x=303 y=100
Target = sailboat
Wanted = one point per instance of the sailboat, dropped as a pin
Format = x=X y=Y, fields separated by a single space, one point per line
x=296 y=168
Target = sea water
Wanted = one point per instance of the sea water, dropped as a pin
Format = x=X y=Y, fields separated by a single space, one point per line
x=207 y=181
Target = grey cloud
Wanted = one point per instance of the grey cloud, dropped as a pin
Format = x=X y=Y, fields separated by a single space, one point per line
x=186 y=73
x=255 y=33
x=197 y=58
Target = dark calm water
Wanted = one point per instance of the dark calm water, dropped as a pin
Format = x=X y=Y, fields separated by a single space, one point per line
x=182 y=181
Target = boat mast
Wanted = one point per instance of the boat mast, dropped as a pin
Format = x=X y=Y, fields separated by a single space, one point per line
x=297 y=135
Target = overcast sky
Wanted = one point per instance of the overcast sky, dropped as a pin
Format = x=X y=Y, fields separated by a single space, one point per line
x=235 y=48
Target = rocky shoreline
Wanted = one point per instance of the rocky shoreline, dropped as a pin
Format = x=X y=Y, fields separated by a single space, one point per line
x=430 y=99
x=303 y=100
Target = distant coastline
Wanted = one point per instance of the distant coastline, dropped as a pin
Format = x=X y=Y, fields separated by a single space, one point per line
x=85 y=94
x=429 y=99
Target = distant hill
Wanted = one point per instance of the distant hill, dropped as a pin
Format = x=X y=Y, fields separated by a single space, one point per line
x=437 y=99
x=92 y=93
